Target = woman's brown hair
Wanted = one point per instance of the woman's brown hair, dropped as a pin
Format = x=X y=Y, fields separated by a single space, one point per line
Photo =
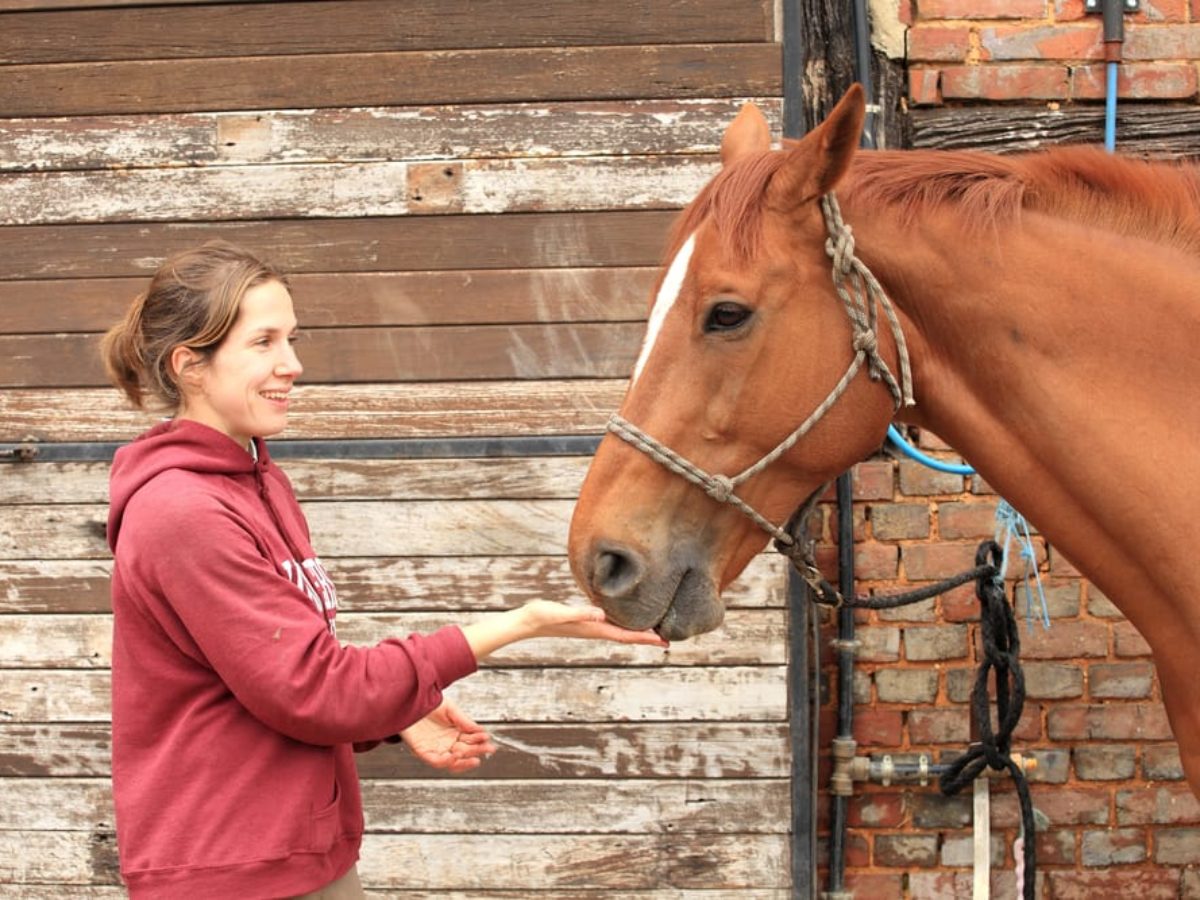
x=192 y=301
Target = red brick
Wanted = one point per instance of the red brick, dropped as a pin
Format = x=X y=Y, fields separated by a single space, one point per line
x=1065 y=640
x=878 y=727
x=982 y=9
x=939 y=726
x=1056 y=847
x=1044 y=42
x=1126 y=681
x=1128 y=641
x=874 y=480
x=876 y=561
x=1145 y=884
x=861 y=884
x=932 y=562
x=1111 y=722
x=896 y=521
x=1177 y=846
x=942 y=885
x=938 y=44
x=1137 y=81
x=904 y=850
x=960 y=604
x=1073 y=806
x=935 y=642
x=876 y=810
x=918 y=480
x=1161 y=12
x=1165 y=805
x=1005 y=82
x=923 y=86
x=1069 y=10
x=1147 y=43
x=966 y=520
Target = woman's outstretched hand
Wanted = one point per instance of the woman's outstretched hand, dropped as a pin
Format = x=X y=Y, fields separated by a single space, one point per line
x=549 y=619
x=448 y=739
x=546 y=618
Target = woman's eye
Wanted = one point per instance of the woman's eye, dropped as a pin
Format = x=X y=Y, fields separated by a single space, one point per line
x=726 y=316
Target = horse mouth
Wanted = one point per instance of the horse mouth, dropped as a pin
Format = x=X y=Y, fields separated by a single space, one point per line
x=695 y=608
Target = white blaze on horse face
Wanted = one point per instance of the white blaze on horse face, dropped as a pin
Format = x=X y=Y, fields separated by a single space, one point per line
x=667 y=295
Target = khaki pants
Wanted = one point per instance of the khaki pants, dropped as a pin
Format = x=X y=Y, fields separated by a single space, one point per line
x=348 y=887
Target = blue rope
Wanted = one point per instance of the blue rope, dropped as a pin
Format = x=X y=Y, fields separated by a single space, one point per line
x=1012 y=525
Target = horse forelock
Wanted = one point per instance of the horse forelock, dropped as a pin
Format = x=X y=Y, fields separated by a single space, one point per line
x=1157 y=200
x=733 y=202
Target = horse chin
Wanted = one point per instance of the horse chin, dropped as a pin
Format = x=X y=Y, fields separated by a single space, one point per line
x=695 y=609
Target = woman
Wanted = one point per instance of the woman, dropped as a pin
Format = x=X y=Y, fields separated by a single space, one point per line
x=235 y=709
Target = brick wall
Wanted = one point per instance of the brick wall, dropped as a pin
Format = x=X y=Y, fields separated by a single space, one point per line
x=1046 y=50
x=1119 y=818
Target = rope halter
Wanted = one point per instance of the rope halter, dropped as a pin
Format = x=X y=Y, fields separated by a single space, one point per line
x=861 y=296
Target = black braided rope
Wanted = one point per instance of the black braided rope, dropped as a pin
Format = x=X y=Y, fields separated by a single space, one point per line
x=1001 y=650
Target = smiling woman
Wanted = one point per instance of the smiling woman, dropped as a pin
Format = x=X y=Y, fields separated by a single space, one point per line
x=236 y=711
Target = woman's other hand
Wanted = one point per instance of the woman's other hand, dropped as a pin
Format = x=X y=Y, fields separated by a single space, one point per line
x=448 y=739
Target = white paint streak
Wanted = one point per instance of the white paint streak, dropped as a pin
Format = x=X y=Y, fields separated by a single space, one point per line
x=667 y=294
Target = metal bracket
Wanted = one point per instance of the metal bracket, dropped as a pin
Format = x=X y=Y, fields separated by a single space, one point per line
x=1095 y=6
x=20 y=453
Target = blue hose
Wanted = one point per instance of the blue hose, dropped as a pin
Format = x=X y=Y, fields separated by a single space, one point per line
x=910 y=451
x=1110 y=109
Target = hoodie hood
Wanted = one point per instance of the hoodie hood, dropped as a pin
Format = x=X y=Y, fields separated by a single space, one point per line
x=174 y=444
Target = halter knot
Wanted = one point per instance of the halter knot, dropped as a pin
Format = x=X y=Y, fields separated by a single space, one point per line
x=839 y=246
x=720 y=488
x=866 y=342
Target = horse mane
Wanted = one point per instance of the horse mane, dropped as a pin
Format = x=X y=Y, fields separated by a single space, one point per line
x=1159 y=200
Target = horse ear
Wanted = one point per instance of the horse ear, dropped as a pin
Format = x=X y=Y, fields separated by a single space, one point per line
x=818 y=161
x=747 y=133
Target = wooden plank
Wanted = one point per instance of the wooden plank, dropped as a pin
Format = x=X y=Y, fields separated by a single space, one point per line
x=412 y=243
x=747 y=637
x=474 y=864
x=429 y=133
x=392 y=79
x=411 y=410
x=615 y=863
x=748 y=694
x=226 y=193
x=558 y=750
x=1143 y=129
x=369 y=26
x=462 y=806
x=352 y=299
x=75 y=586
x=357 y=355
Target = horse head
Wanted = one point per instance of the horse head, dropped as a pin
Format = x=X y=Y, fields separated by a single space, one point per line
x=746 y=336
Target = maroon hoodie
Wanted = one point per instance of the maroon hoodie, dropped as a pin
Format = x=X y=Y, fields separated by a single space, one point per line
x=234 y=705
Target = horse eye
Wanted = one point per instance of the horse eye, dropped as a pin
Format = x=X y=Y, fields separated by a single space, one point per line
x=726 y=316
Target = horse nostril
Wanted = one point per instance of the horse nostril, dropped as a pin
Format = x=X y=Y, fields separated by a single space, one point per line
x=617 y=571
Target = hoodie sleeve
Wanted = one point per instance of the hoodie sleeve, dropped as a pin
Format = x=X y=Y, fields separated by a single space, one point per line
x=223 y=604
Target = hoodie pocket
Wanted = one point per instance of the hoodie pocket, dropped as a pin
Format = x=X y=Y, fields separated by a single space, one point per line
x=326 y=822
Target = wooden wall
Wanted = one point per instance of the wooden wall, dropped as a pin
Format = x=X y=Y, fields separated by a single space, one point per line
x=472 y=197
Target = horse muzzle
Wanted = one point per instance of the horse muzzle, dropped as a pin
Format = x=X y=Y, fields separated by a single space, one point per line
x=675 y=596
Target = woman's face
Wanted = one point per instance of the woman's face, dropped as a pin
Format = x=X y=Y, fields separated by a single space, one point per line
x=243 y=390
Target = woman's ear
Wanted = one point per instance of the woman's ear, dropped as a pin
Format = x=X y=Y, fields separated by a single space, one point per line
x=184 y=365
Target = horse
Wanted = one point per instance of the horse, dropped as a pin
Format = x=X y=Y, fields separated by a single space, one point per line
x=1037 y=311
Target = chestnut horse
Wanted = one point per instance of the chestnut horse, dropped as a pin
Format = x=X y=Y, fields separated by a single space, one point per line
x=1039 y=312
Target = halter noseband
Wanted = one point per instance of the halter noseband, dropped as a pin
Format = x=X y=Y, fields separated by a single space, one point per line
x=861 y=295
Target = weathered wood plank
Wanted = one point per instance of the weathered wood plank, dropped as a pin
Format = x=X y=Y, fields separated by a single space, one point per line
x=413 y=243
x=411 y=410
x=348 y=355
x=559 y=750
x=475 y=864
x=462 y=806
x=747 y=637
x=749 y=694
x=1143 y=129
x=494 y=131
x=550 y=477
x=378 y=299
x=621 y=863
x=351 y=528
x=370 y=26
x=392 y=79
x=74 y=586
x=228 y=193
